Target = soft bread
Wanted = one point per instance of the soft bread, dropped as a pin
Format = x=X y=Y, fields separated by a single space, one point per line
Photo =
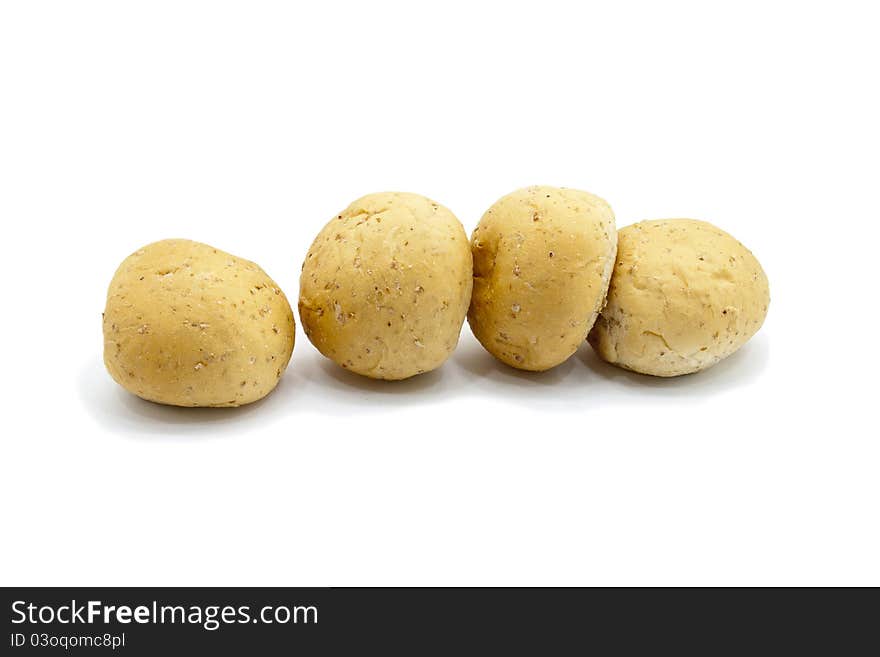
x=543 y=257
x=190 y=325
x=683 y=296
x=386 y=285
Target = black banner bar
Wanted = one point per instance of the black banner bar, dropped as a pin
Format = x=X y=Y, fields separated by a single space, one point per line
x=414 y=621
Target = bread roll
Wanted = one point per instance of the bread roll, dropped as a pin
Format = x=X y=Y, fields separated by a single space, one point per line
x=542 y=261
x=684 y=295
x=190 y=325
x=386 y=285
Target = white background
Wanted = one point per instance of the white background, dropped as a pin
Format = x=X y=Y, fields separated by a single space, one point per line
x=248 y=125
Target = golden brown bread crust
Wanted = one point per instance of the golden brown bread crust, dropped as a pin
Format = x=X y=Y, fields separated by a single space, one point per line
x=386 y=285
x=189 y=325
x=683 y=296
x=542 y=261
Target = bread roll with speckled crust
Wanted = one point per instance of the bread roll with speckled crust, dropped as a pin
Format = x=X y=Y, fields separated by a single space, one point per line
x=386 y=285
x=189 y=325
x=542 y=260
x=684 y=295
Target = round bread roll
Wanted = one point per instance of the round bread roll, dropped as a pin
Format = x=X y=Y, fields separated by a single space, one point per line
x=684 y=295
x=189 y=325
x=542 y=260
x=386 y=285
